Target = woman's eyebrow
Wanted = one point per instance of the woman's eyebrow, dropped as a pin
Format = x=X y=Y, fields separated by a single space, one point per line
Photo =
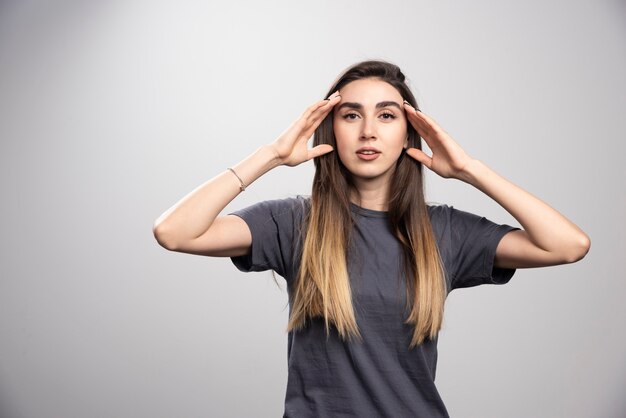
x=359 y=106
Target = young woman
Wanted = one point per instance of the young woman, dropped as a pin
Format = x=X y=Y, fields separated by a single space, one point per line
x=367 y=261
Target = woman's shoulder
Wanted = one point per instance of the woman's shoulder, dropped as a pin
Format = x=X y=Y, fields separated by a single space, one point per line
x=299 y=205
x=439 y=214
x=294 y=203
x=436 y=208
x=277 y=208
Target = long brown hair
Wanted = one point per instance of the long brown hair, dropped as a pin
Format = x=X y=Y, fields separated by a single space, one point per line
x=322 y=287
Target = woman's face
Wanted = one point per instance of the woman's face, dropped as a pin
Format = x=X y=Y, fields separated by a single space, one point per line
x=370 y=128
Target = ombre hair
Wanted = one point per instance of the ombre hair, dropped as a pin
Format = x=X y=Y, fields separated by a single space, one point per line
x=322 y=287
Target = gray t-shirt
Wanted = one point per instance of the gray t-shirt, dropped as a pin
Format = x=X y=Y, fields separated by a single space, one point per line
x=379 y=377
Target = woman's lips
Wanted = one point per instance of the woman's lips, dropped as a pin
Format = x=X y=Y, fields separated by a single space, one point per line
x=368 y=157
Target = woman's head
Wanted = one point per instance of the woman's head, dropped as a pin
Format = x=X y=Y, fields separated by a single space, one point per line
x=370 y=129
x=357 y=123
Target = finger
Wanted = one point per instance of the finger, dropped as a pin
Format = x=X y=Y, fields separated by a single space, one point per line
x=310 y=118
x=336 y=93
x=426 y=131
x=421 y=118
x=307 y=113
x=319 y=115
x=408 y=105
x=415 y=121
x=302 y=122
x=415 y=116
x=428 y=119
x=420 y=156
x=309 y=110
x=418 y=114
x=322 y=111
x=319 y=150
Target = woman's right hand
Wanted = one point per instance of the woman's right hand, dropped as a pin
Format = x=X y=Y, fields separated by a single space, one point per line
x=291 y=146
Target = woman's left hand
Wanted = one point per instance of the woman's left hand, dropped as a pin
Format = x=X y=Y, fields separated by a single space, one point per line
x=448 y=159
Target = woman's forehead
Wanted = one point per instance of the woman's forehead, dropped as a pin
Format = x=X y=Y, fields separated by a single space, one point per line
x=368 y=90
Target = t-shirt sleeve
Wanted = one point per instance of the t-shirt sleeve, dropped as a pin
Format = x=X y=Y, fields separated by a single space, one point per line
x=473 y=243
x=274 y=226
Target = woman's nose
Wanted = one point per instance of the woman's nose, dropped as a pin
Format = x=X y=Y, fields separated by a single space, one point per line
x=368 y=129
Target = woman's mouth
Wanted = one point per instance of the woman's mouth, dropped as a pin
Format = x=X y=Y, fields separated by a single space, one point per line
x=367 y=153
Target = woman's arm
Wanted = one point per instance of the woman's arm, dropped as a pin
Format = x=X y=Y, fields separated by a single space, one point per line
x=548 y=238
x=192 y=225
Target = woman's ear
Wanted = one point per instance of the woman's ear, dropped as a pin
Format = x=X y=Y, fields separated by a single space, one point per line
x=406 y=141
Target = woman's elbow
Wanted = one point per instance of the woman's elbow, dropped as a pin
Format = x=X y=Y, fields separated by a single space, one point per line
x=580 y=250
x=162 y=237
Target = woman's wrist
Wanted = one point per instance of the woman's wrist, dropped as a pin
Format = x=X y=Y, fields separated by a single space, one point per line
x=270 y=152
x=471 y=171
x=256 y=164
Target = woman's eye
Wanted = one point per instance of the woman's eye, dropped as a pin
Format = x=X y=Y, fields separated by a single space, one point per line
x=385 y=115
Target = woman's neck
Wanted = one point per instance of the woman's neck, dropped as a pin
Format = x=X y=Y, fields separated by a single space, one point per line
x=370 y=196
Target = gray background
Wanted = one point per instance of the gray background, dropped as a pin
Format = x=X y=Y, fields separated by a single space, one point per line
x=112 y=111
